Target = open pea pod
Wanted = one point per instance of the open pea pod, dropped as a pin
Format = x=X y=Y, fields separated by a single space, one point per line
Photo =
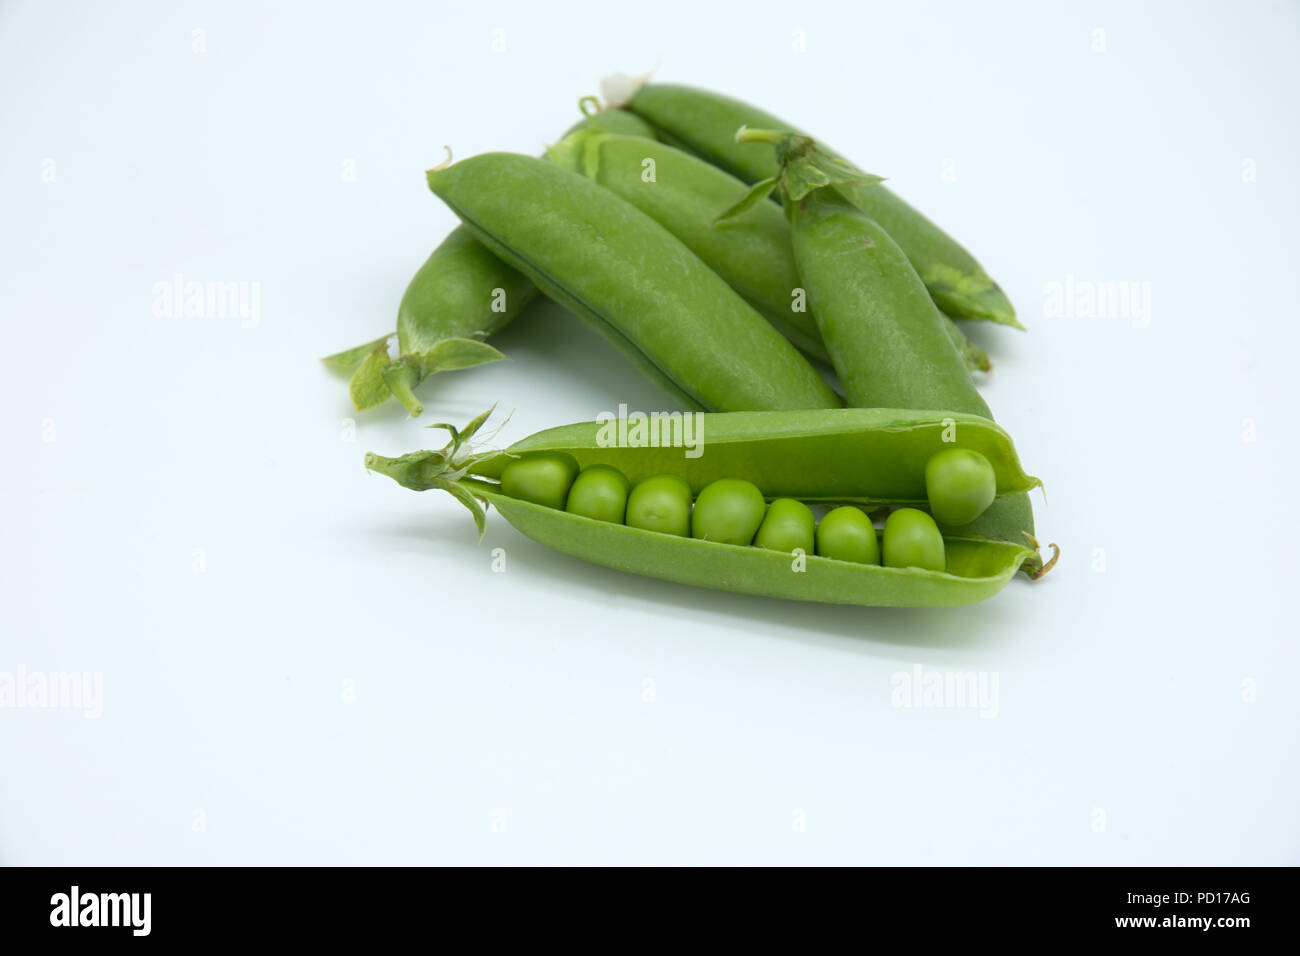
x=867 y=456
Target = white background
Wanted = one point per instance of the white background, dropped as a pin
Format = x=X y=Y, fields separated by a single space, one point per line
x=201 y=533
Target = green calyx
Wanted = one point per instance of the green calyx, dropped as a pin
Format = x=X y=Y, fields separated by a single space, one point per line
x=442 y=469
x=349 y=359
x=802 y=168
x=380 y=377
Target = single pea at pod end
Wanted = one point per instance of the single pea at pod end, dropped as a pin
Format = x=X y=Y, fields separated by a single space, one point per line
x=960 y=484
x=542 y=477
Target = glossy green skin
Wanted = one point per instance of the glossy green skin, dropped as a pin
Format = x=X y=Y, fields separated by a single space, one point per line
x=869 y=455
x=729 y=510
x=633 y=281
x=661 y=504
x=846 y=534
x=452 y=295
x=960 y=484
x=912 y=540
x=751 y=252
x=976 y=568
x=540 y=477
x=885 y=336
x=705 y=124
x=880 y=325
x=787 y=526
x=599 y=492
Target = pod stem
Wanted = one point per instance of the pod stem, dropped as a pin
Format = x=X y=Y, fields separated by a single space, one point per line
x=773 y=136
x=417 y=470
x=1051 y=562
x=442 y=165
x=401 y=379
x=443 y=469
x=1041 y=568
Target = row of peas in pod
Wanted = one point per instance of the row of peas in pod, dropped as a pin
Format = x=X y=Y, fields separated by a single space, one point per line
x=960 y=485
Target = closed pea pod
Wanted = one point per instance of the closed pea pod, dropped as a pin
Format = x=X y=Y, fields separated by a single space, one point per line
x=684 y=195
x=876 y=456
x=704 y=123
x=631 y=280
x=461 y=295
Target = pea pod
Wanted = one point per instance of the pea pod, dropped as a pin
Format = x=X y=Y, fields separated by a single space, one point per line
x=705 y=123
x=461 y=295
x=684 y=194
x=863 y=292
x=769 y=451
x=631 y=280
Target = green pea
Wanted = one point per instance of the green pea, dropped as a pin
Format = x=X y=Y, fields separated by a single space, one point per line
x=542 y=477
x=599 y=492
x=728 y=510
x=661 y=503
x=846 y=534
x=960 y=484
x=912 y=540
x=787 y=525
